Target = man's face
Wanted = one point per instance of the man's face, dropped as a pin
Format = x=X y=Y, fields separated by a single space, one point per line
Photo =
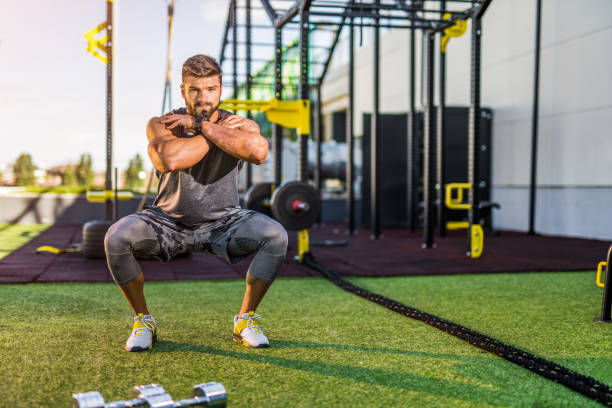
x=202 y=95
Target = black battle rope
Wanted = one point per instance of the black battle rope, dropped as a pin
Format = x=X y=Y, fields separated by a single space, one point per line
x=587 y=386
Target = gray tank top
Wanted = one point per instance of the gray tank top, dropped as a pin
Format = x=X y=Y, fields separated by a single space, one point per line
x=203 y=192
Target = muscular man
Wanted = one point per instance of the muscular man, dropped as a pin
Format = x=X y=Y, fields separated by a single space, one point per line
x=197 y=152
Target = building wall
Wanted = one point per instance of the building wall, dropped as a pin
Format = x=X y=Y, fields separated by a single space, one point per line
x=573 y=175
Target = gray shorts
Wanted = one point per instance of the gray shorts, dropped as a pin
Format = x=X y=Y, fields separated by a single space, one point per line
x=212 y=237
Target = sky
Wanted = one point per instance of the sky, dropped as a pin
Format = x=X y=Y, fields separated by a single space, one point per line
x=53 y=92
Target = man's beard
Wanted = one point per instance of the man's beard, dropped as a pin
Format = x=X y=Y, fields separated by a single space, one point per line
x=197 y=110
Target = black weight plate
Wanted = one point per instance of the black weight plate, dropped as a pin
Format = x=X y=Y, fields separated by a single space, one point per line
x=93 y=238
x=284 y=197
x=257 y=196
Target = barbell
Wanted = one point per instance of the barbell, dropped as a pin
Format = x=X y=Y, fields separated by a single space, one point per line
x=210 y=394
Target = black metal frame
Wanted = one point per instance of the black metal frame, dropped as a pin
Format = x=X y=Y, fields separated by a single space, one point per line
x=378 y=14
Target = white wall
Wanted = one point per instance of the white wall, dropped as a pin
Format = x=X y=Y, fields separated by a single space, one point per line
x=574 y=174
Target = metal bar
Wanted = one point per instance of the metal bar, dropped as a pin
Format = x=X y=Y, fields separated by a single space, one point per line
x=289 y=14
x=262 y=44
x=249 y=80
x=224 y=39
x=350 y=193
x=318 y=130
x=278 y=90
x=428 y=151
x=375 y=140
x=234 y=48
x=269 y=10
x=422 y=26
x=372 y=16
x=474 y=131
x=440 y=142
x=483 y=8
x=606 y=302
x=287 y=60
x=412 y=176
x=534 y=122
x=331 y=53
x=108 y=208
x=303 y=92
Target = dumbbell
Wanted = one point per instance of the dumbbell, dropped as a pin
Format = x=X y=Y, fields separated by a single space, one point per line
x=210 y=394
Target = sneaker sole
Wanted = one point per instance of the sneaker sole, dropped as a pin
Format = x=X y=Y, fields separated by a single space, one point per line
x=137 y=349
x=238 y=339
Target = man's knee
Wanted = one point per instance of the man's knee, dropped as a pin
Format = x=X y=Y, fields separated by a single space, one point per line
x=116 y=240
x=275 y=236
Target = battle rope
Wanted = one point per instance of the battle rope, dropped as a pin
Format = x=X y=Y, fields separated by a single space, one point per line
x=587 y=386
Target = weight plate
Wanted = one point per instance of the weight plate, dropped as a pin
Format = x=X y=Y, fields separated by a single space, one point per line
x=283 y=201
x=257 y=196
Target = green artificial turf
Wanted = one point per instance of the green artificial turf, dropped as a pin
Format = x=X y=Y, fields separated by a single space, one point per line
x=12 y=236
x=328 y=347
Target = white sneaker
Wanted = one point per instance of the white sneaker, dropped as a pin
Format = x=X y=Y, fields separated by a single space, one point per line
x=144 y=333
x=247 y=331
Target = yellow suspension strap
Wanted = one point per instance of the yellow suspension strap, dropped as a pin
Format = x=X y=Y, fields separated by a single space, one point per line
x=58 y=251
x=456 y=30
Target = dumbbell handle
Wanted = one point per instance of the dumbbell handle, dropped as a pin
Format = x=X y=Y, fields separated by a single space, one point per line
x=136 y=402
x=141 y=402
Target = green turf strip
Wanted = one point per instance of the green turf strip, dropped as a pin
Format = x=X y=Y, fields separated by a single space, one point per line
x=13 y=236
x=329 y=348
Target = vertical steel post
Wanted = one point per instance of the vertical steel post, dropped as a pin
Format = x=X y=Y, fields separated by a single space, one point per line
x=440 y=139
x=375 y=142
x=350 y=194
x=428 y=151
x=278 y=88
x=534 y=122
x=318 y=129
x=412 y=196
x=606 y=302
x=234 y=48
x=474 y=131
x=108 y=185
x=249 y=166
x=303 y=92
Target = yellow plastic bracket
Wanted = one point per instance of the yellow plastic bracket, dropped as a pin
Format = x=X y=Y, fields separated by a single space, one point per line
x=457 y=202
x=290 y=114
x=96 y=46
x=457 y=225
x=600 y=267
x=303 y=244
x=477 y=242
x=103 y=196
x=456 y=30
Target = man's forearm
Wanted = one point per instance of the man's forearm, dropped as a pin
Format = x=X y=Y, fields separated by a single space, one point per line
x=178 y=154
x=246 y=145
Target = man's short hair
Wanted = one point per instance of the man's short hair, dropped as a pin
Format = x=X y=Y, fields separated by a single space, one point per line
x=201 y=66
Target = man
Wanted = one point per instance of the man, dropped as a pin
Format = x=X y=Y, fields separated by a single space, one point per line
x=197 y=153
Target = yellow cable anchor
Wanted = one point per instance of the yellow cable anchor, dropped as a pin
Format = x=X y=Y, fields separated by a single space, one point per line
x=95 y=45
x=456 y=30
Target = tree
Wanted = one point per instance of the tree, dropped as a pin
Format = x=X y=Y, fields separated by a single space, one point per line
x=132 y=175
x=69 y=178
x=23 y=168
x=84 y=172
